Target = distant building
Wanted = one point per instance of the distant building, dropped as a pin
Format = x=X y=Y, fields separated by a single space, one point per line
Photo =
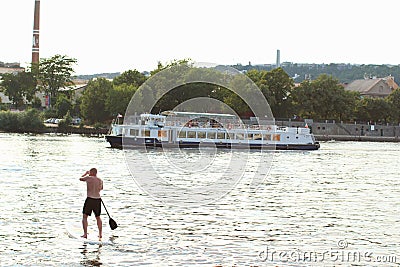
x=10 y=68
x=373 y=87
x=76 y=90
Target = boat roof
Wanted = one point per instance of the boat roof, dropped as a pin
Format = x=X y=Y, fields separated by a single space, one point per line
x=197 y=114
x=154 y=116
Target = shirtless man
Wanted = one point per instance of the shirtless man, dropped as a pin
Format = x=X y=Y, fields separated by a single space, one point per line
x=93 y=200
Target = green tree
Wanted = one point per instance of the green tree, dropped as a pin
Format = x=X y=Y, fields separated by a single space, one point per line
x=63 y=105
x=36 y=102
x=175 y=62
x=382 y=110
x=93 y=105
x=280 y=88
x=236 y=100
x=323 y=98
x=163 y=85
x=130 y=77
x=55 y=73
x=19 y=87
x=29 y=121
x=76 y=107
x=12 y=89
x=362 y=111
x=186 y=83
x=346 y=105
x=238 y=104
x=394 y=102
x=143 y=101
x=373 y=109
x=119 y=98
x=326 y=90
x=304 y=100
x=277 y=87
x=258 y=77
x=64 y=126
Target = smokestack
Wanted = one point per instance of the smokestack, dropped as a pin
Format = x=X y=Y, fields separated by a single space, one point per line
x=278 y=58
x=35 y=45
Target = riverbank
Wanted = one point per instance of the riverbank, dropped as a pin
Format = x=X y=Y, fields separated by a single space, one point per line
x=86 y=130
x=356 y=138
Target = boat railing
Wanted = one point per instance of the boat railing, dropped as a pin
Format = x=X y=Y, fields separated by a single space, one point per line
x=228 y=126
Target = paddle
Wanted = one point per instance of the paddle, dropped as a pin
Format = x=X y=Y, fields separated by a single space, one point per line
x=113 y=224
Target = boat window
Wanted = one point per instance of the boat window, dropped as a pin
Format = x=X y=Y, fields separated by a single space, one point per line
x=240 y=136
x=211 y=135
x=250 y=136
x=267 y=137
x=162 y=133
x=257 y=137
x=276 y=137
x=201 y=134
x=182 y=134
x=191 y=134
x=230 y=135
x=133 y=132
x=220 y=135
x=146 y=133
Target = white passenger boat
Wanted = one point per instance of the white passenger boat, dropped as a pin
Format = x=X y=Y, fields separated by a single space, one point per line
x=191 y=130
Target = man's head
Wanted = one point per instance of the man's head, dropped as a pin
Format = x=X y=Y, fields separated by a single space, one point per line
x=93 y=172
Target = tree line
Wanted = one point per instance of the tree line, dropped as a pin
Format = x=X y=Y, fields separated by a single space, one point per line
x=345 y=73
x=323 y=98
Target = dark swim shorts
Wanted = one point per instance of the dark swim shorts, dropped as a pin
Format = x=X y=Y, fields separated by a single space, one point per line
x=92 y=204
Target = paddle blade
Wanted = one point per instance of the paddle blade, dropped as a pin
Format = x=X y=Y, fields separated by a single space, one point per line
x=113 y=224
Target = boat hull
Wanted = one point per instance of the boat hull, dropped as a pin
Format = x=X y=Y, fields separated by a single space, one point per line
x=133 y=142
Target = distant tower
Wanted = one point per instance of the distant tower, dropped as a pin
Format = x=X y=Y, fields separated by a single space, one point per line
x=35 y=44
x=278 y=58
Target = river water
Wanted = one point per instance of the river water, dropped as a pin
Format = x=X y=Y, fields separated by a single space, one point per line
x=338 y=206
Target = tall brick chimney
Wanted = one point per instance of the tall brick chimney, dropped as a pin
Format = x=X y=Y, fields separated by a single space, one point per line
x=35 y=44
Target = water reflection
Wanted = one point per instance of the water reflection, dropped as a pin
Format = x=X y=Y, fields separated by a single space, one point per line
x=91 y=256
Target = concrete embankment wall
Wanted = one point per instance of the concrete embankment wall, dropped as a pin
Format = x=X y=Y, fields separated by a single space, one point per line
x=324 y=131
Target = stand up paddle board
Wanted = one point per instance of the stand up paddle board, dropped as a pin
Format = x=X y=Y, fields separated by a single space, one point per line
x=75 y=231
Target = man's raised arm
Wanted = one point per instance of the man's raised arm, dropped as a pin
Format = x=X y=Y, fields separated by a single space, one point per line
x=84 y=176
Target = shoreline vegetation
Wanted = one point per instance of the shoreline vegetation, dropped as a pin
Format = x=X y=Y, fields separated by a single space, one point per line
x=31 y=122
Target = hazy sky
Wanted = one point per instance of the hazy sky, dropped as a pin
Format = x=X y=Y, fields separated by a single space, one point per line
x=118 y=35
